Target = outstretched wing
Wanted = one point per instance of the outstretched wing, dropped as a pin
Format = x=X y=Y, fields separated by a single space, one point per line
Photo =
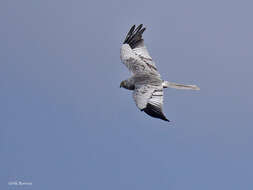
x=134 y=54
x=149 y=98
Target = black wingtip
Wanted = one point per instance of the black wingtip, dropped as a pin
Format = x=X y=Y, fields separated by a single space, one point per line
x=134 y=36
x=154 y=111
x=167 y=120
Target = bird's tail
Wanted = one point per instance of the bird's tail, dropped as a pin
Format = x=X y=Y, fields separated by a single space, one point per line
x=167 y=84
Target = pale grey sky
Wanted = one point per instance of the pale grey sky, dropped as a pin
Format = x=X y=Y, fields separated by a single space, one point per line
x=66 y=124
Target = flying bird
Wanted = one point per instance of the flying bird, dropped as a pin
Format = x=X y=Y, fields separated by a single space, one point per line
x=145 y=82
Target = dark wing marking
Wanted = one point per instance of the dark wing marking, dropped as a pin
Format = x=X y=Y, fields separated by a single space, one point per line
x=135 y=41
x=149 y=98
x=134 y=36
x=155 y=104
x=154 y=111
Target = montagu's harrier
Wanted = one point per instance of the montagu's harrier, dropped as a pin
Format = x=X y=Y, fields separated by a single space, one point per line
x=145 y=81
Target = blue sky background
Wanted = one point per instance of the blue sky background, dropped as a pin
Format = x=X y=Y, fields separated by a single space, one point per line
x=66 y=124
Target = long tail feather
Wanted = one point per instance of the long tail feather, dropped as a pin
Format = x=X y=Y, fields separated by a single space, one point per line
x=167 y=84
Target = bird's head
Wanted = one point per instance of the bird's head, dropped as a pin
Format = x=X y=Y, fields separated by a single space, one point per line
x=123 y=84
x=127 y=85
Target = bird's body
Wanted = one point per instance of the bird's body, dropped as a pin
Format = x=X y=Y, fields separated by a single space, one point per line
x=146 y=81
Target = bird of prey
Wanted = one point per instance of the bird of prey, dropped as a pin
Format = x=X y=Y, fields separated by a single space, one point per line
x=145 y=82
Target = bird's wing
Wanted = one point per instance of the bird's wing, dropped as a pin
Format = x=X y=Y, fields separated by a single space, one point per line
x=134 y=54
x=149 y=98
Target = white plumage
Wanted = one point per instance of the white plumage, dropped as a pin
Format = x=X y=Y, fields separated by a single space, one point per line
x=146 y=81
